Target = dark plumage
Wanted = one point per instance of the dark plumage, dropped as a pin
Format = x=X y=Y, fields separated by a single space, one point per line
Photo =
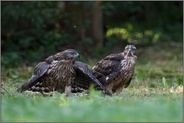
x=58 y=73
x=115 y=71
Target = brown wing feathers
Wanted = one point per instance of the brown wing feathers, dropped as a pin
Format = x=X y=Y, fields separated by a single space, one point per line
x=59 y=72
x=115 y=70
x=55 y=73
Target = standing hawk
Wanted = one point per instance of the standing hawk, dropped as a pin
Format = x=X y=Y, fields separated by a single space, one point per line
x=58 y=72
x=115 y=71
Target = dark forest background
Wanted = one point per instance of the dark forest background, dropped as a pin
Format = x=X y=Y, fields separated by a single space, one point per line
x=31 y=31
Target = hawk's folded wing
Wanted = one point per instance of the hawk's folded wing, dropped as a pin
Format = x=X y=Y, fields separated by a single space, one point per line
x=108 y=68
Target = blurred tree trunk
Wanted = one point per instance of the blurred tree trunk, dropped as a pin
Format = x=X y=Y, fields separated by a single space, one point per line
x=146 y=13
x=97 y=24
x=181 y=11
x=75 y=12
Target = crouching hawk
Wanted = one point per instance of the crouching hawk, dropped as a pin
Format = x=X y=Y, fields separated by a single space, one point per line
x=58 y=72
x=115 y=71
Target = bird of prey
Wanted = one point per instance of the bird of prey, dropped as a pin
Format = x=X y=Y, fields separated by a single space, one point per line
x=115 y=71
x=58 y=72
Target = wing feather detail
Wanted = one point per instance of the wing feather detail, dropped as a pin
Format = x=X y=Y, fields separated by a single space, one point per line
x=108 y=67
x=39 y=71
x=85 y=77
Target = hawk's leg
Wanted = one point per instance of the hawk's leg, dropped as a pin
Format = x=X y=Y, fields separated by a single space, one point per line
x=68 y=90
x=110 y=86
x=118 y=90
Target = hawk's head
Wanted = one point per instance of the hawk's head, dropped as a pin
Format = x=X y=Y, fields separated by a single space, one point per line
x=70 y=54
x=130 y=50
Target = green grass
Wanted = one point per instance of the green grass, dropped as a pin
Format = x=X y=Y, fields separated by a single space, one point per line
x=129 y=106
x=154 y=95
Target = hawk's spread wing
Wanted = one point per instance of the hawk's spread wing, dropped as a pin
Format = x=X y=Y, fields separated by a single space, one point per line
x=59 y=69
x=108 y=68
x=39 y=71
x=84 y=77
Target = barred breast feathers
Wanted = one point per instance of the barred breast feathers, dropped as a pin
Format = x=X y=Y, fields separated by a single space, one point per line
x=61 y=69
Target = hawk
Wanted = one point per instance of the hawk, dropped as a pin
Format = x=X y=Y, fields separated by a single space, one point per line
x=115 y=71
x=58 y=72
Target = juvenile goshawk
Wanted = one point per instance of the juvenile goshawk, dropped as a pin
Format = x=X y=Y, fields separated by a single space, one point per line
x=115 y=71
x=58 y=73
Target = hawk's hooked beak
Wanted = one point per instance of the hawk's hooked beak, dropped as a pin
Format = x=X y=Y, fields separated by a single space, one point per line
x=129 y=51
x=77 y=55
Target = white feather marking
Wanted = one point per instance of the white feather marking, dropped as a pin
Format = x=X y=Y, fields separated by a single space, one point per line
x=94 y=67
x=55 y=61
x=106 y=78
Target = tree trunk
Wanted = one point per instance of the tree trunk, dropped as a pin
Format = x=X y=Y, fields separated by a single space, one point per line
x=97 y=24
x=146 y=14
